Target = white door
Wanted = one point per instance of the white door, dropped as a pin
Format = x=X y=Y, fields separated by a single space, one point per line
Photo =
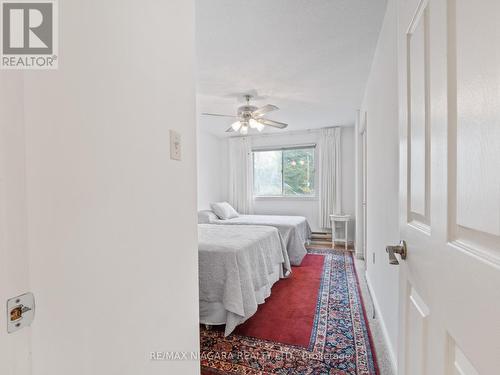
x=449 y=59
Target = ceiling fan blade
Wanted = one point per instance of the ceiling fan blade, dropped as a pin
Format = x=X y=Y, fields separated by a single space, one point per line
x=230 y=130
x=275 y=124
x=263 y=110
x=218 y=115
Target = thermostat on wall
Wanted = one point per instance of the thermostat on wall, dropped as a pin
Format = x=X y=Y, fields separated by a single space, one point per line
x=175 y=145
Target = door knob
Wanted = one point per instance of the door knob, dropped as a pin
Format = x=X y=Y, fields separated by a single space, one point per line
x=398 y=249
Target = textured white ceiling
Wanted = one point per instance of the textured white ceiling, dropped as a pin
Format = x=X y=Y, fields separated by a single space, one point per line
x=311 y=58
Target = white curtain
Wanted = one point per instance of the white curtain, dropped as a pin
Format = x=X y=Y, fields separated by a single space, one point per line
x=240 y=175
x=330 y=178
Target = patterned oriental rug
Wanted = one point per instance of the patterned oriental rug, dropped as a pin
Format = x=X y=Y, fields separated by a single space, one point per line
x=338 y=337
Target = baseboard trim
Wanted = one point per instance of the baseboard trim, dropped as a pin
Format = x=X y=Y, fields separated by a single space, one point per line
x=390 y=348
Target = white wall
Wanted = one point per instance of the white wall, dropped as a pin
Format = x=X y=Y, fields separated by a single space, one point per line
x=381 y=105
x=14 y=271
x=309 y=208
x=111 y=219
x=212 y=169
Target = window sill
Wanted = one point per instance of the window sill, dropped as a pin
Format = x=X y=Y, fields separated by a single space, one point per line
x=284 y=198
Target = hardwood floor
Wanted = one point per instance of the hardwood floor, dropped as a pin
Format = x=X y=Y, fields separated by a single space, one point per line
x=324 y=244
x=324 y=240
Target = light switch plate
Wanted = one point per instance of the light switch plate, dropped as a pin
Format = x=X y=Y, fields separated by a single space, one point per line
x=20 y=312
x=175 y=145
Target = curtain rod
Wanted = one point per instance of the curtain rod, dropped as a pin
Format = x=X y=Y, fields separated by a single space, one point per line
x=287 y=147
x=288 y=133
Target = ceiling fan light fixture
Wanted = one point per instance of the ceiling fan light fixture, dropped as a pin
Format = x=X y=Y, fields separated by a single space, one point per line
x=236 y=126
x=251 y=117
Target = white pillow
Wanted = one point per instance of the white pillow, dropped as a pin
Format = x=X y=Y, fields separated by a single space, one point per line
x=206 y=217
x=224 y=210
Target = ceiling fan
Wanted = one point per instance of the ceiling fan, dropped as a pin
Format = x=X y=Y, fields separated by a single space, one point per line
x=250 y=116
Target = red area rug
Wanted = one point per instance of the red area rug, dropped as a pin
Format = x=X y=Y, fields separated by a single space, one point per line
x=288 y=314
x=339 y=339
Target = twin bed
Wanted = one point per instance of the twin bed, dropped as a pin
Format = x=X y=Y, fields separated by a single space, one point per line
x=240 y=259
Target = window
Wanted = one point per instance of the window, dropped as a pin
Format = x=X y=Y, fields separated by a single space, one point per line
x=285 y=172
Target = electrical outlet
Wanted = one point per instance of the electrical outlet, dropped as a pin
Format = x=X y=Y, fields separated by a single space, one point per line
x=373 y=257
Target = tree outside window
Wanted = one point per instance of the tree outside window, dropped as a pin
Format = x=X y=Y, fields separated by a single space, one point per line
x=284 y=172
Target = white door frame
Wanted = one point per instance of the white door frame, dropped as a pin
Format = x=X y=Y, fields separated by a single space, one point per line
x=364 y=187
x=15 y=348
x=360 y=144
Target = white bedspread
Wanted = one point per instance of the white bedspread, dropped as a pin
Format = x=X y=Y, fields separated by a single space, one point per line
x=295 y=231
x=236 y=265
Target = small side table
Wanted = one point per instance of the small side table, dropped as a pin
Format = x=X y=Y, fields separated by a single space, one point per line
x=341 y=219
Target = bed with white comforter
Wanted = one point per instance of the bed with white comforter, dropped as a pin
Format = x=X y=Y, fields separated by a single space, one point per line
x=295 y=231
x=238 y=265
